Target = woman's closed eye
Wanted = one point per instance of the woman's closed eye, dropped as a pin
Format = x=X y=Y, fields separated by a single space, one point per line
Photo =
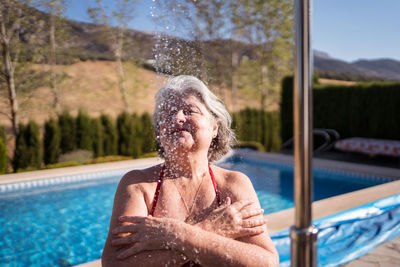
x=191 y=110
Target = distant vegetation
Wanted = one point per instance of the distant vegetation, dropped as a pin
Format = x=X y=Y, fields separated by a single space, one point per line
x=71 y=141
x=360 y=110
x=346 y=76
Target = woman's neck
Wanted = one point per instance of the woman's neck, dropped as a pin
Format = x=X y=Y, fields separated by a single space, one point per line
x=187 y=166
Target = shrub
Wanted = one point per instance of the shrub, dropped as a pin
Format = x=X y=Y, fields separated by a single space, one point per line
x=149 y=155
x=80 y=156
x=84 y=131
x=364 y=109
x=51 y=142
x=137 y=136
x=68 y=132
x=258 y=126
x=110 y=136
x=107 y=159
x=97 y=134
x=125 y=128
x=148 y=137
x=62 y=164
x=28 y=152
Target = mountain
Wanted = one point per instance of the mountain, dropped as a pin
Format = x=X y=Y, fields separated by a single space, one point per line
x=85 y=41
x=380 y=69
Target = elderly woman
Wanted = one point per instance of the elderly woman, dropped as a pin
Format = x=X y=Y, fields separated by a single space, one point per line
x=186 y=211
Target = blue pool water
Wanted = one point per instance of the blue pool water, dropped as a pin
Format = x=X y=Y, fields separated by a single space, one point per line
x=59 y=225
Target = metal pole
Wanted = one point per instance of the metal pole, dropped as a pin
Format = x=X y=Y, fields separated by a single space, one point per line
x=303 y=235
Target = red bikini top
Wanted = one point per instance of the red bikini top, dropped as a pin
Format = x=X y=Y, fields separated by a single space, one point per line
x=160 y=180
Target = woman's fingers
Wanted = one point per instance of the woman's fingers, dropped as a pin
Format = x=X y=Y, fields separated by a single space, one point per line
x=131 y=219
x=239 y=205
x=252 y=231
x=129 y=228
x=251 y=213
x=125 y=240
x=253 y=223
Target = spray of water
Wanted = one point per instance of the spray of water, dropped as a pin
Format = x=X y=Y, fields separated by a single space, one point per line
x=176 y=50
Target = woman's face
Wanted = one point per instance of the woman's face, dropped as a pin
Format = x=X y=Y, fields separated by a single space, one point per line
x=186 y=125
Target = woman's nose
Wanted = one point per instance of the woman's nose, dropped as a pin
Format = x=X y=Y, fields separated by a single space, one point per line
x=180 y=116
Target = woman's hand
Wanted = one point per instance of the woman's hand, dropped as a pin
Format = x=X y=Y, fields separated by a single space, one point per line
x=234 y=220
x=145 y=233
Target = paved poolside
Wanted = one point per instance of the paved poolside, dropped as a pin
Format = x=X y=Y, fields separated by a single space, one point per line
x=279 y=220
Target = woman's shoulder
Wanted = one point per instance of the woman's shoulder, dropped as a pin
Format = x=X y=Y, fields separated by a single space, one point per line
x=141 y=178
x=230 y=178
x=234 y=184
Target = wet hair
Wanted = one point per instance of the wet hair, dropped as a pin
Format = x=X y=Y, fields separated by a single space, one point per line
x=185 y=85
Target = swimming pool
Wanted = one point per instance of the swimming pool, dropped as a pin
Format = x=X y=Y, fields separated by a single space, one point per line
x=64 y=221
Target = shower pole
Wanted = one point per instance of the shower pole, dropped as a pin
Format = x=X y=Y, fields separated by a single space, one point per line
x=303 y=235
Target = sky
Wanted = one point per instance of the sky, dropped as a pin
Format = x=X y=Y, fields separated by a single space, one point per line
x=345 y=29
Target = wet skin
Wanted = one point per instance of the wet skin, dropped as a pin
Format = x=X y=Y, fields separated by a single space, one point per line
x=186 y=131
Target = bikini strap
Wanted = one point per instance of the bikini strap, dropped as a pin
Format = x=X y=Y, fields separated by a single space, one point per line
x=159 y=183
x=215 y=185
x=160 y=180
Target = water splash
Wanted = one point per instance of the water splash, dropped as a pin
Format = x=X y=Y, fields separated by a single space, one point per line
x=176 y=50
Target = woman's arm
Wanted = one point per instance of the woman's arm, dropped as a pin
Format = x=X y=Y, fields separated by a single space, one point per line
x=204 y=247
x=129 y=200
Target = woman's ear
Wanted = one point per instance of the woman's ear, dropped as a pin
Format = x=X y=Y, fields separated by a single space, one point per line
x=215 y=130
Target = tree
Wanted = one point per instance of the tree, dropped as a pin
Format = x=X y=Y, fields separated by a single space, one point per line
x=268 y=26
x=20 y=37
x=110 y=138
x=125 y=127
x=98 y=137
x=28 y=149
x=51 y=142
x=205 y=53
x=84 y=131
x=55 y=10
x=119 y=16
x=68 y=132
x=148 y=138
x=10 y=26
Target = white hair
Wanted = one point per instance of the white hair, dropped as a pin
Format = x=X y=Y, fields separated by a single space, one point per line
x=190 y=85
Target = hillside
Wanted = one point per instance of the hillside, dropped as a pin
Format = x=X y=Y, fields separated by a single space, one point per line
x=93 y=86
x=380 y=69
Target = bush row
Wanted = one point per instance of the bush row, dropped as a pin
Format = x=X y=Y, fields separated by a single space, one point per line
x=364 y=110
x=131 y=135
x=258 y=126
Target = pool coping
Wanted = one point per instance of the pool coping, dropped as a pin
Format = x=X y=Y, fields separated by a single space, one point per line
x=284 y=219
x=276 y=221
x=77 y=170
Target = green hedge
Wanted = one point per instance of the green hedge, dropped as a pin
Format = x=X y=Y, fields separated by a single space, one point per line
x=28 y=148
x=68 y=132
x=258 y=126
x=51 y=142
x=110 y=136
x=84 y=132
x=97 y=137
x=364 y=110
